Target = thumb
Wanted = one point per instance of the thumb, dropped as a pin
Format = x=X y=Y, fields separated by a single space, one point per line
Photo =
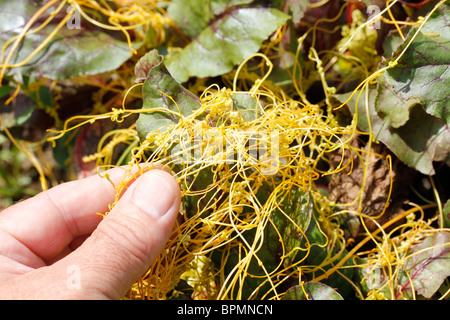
x=129 y=239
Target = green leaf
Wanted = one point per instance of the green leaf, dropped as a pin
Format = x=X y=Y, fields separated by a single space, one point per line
x=428 y=265
x=4 y=90
x=220 y=6
x=371 y=280
x=227 y=41
x=423 y=72
x=312 y=291
x=319 y=255
x=193 y=16
x=70 y=53
x=145 y=64
x=420 y=141
x=289 y=223
x=390 y=107
x=158 y=87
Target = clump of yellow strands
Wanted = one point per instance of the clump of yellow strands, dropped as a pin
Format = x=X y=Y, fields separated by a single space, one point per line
x=392 y=252
x=226 y=207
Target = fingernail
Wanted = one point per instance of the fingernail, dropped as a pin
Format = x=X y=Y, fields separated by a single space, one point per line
x=153 y=194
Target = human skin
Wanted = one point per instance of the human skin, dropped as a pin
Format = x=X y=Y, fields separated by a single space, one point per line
x=47 y=240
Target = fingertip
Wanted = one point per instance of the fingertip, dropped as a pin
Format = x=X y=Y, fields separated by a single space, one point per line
x=156 y=193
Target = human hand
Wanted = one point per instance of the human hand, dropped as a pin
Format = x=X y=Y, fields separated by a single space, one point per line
x=55 y=236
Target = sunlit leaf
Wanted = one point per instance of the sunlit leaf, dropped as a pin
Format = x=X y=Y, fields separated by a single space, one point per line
x=73 y=51
x=428 y=265
x=226 y=42
x=312 y=291
x=193 y=16
x=158 y=91
x=422 y=140
x=391 y=108
x=423 y=72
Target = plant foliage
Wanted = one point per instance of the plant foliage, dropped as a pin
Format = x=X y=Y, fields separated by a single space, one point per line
x=309 y=138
